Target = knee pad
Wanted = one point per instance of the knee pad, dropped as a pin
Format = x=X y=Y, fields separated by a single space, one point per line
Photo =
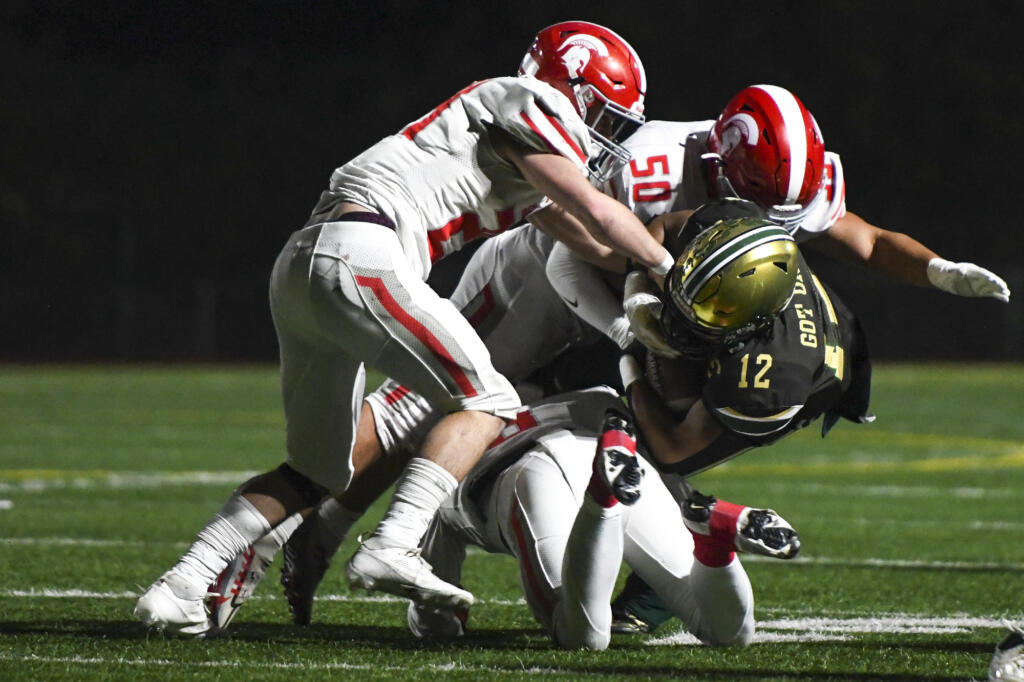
x=309 y=492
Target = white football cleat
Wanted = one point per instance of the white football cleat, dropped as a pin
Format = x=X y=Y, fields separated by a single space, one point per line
x=758 y=531
x=238 y=581
x=1008 y=660
x=161 y=608
x=402 y=571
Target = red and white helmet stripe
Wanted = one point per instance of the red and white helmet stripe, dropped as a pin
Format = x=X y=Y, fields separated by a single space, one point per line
x=788 y=109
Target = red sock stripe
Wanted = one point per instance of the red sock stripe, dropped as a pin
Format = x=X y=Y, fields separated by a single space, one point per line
x=723 y=520
x=616 y=438
x=599 y=492
x=394 y=396
x=718 y=547
x=711 y=554
x=524 y=420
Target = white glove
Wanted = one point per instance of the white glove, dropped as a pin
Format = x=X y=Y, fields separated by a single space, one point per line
x=643 y=310
x=966 y=279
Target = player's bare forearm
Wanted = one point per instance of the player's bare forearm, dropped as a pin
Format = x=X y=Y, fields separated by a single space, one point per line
x=671 y=440
x=893 y=254
x=610 y=222
x=559 y=224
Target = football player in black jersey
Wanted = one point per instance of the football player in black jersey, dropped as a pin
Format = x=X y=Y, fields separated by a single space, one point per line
x=763 y=348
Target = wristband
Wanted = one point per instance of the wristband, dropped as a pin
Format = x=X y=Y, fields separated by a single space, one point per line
x=662 y=268
x=629 y=371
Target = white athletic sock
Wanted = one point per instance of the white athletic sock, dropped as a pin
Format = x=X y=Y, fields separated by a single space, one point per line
x=272 y=542
x=231 y=530
x=419 y=493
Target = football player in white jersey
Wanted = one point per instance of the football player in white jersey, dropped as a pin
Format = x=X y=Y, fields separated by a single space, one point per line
x=505 y=296
x=349 y=290
x=502 y=292
x=766 y=147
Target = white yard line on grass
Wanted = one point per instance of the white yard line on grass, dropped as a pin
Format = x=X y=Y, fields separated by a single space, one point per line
x=279 y=665
x=79 y=542
x=773 y=618
x=890 y=491
x=841 y=629
x=44 y=480
x=888 y=563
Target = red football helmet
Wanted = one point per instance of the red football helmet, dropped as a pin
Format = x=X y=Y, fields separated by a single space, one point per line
x=771 y=152
x=601 y=74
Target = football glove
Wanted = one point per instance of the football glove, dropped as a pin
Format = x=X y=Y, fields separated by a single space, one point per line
x=966 y=279
x=643 y=310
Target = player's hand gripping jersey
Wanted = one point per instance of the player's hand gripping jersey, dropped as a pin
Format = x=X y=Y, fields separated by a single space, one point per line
x=441 y=179
x=668 y=173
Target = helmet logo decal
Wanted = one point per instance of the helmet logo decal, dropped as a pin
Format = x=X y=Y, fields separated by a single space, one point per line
x=578 y=49
x=740 y=126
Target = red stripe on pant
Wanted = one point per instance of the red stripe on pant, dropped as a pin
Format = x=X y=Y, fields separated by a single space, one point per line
x=535 y=583
x=416 y=328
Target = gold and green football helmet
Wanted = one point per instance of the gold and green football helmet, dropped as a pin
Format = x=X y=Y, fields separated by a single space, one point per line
x=729 y=283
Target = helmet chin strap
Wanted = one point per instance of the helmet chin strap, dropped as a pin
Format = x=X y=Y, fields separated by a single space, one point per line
x=577 y=85
x=714 y=169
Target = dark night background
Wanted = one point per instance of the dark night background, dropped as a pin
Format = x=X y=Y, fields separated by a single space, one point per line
x=157 y=155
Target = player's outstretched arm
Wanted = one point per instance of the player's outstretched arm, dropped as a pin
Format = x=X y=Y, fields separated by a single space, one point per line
x=907 y=260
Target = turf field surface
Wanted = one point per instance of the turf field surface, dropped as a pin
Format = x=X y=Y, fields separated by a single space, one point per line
x=911 y=529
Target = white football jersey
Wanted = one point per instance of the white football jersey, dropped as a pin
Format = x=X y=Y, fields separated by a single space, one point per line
x=440 y=178
x=666 y=174
x=652 y=182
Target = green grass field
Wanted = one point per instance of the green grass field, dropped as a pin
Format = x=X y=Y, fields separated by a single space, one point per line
x=911 y=527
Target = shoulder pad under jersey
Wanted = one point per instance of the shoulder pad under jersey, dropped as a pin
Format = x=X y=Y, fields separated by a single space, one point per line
x=534 y=113
x=649 y=184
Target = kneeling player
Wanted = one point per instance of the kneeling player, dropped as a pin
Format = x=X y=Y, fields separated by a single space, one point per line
x=564 y=493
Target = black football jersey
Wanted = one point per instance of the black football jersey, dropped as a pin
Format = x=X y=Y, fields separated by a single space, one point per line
x=811 y=362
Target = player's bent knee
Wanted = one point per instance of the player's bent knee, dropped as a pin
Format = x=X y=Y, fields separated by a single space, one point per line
x=592 y=640
x=502 y=402
x=308 y=491
x=735 y=639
